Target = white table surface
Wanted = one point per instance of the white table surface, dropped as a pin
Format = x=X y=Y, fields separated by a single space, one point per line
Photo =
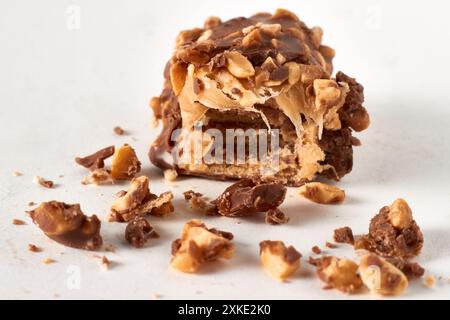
x=63 y=89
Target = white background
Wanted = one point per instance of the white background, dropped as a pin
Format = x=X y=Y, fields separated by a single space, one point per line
x=62 y=90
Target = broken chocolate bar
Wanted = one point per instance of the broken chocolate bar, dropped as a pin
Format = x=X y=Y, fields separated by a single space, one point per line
x=393 y=233
x=68 y=225
x=233 y=84
x=139 y=201
x=247 y=197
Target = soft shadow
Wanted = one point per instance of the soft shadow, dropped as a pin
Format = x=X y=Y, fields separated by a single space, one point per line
x=406 y=142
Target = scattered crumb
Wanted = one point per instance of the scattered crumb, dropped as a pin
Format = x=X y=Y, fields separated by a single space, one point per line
x=157 y=296
x=316 y=250
x=344 y=235
x=330 y=245
x=429 y=281
x=42 y=182
x=57 y=295
x=47 y=261
x=98 y=177
x=119 y=131
x=31 y=204
x=105 y=263
x=170 y=175
x=17 y=173
x=34 y=248
x=61 y=176
x=18 y=222
x=198 y=292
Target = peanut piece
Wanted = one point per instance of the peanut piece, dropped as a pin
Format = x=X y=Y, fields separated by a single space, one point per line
x=199 y=245
x=278 y=260
x=339 y=273
x=239 y=66
x=400 y=214
x=381 y=277
x=125 y=164
x=322 y=193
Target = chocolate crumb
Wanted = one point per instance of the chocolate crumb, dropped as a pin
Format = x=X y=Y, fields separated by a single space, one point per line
x=31 y=204
x=105 y=263
x=412 y=270
x=34 y=248
x=119 y=131
x=18 y=222
x=42 y=182
x=276 y=217
x=96 y=160
x=68 y=225
x=344 y=235
x=198 y=203
x=316 y=250
x=247 y=197
x=139 y=231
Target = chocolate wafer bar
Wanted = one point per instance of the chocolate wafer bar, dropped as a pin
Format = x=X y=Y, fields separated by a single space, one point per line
x=266 y=80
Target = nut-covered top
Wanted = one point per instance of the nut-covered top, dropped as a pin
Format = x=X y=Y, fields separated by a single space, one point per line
x=281 y=36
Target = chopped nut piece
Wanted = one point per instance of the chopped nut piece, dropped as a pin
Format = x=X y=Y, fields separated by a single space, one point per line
x=340 y=274
x=238 y=65
x=247 y=197
x=48 y=261
x=278 y=260
x=34 y=248
x=17 y=173
x=276 y=217
x=68 y=225
x=322 y=193
x=31 y=204
x=44 y=183
x=105 y=263
x=125 y=164
x=96 y=160
x=18 y=222
x=430 y=281
x=98 y=177
x=400 y=214
x=405 y=241
x=170 y=175
x=199 y=204
x=344 y=235
x=381 y=277
x=119 y=131
x=199 y=245
x=139 y=231
x=316 y=250
x=138 y=201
